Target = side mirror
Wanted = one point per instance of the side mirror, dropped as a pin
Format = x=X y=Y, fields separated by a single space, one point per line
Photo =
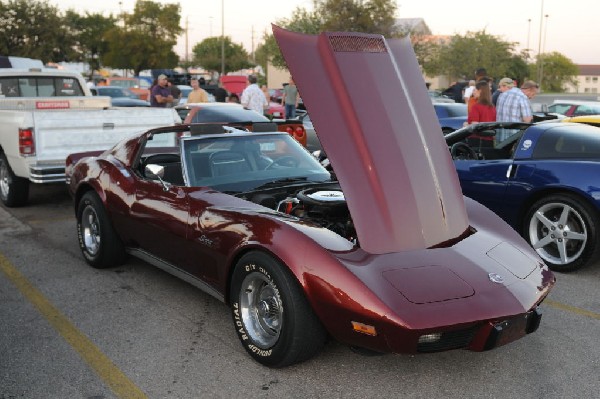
x=154 y=171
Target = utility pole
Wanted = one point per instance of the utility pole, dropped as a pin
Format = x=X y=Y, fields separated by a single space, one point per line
x=187 y=57
x=540 y=61
x=253 y=57
x=222 y=37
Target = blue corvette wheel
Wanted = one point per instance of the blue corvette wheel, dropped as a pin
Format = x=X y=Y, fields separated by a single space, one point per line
x=562 y=230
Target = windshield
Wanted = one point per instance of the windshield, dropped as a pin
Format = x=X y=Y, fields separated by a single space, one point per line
x=243 y=162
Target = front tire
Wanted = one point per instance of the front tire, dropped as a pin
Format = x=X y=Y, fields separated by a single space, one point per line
x=14 y=190
x=99 y=243
x=563 y=231
x=271 y=314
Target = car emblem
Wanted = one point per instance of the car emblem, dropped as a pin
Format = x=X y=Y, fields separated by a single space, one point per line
x=496 y=278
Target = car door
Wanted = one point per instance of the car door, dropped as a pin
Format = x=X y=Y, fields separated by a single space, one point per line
x=485 y=181
x=160 y=217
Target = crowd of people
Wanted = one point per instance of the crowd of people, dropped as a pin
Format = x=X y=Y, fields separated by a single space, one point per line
x=505 y=102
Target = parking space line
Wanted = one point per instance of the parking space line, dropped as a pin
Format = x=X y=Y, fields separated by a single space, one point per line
x=572 y=309
x=122 y=386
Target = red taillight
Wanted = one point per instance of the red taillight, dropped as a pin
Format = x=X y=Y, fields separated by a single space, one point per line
x=26 y=142
x=299 y=133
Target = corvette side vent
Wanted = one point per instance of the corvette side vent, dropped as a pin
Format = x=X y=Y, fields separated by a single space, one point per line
x=357 y=44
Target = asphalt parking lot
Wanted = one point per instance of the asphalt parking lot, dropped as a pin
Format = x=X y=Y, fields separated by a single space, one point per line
x=69 y=331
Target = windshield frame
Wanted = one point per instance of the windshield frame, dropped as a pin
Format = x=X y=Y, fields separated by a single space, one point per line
x=197 y=150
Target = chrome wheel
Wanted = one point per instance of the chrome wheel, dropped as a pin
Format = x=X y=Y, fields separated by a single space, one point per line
x=90 y=229
x=261 y=309
x=558 y=233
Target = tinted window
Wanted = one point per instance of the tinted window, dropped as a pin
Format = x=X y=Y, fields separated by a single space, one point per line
x=9 y=87
x=587 y=110
x=227 y=114
x=40 y=87
x=559 y=108
x=569 y=142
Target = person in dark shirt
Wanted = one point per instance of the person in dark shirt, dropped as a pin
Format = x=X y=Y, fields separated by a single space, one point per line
x=160 y=96
x=220 y=94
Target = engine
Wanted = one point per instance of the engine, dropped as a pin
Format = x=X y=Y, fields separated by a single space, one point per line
x=323 y=206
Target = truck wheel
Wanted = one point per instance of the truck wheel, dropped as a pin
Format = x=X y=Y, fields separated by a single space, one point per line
x=14 y=190
x=99 y=243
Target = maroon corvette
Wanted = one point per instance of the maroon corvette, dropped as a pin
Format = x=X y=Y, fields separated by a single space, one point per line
x=389 y=256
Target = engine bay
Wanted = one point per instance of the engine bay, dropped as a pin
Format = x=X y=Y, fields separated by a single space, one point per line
x=324 y=205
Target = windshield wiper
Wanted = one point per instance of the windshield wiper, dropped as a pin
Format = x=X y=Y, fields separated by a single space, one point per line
x=280 y=182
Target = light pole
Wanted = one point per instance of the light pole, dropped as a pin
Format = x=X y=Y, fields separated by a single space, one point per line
x=528 y=36
x=541 y=75
x=222 y=37
x=540 y=61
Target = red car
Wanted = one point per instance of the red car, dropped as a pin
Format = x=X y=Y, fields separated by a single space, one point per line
x=391 y=257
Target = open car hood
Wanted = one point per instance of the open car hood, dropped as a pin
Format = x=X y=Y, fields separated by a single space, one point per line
x=369 y=104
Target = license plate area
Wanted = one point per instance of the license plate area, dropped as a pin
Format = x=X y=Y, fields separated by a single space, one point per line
x=510 y=330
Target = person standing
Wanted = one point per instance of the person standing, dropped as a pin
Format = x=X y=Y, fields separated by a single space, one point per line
x=160 y=95
x=290 y=99
x=253 y=97
x=220 y=93
x=482 y=110
x=514 y=106
x=175 y=92
x=504 y=85
x=198 y=94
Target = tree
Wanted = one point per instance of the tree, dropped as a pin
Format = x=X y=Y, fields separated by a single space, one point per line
x=207 y=53
x=147 y=39
x=464 y=54
x=556 y=71
x=370 y=16
x=89 y=33
x=30 y=28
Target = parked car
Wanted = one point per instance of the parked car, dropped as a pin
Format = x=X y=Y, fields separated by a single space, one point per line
x=140 y=87
x=452 y=116
x=438 y=97
x=235 y=114
x=312 y=141
x=397 y=262
x=542 y=179
x=574 y=107
x=592 y=120
x=119 y=97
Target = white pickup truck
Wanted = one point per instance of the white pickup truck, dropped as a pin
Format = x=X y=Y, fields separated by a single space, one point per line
x=47 y=115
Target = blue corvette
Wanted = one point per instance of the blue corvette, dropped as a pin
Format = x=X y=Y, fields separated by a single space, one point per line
x=543 y=180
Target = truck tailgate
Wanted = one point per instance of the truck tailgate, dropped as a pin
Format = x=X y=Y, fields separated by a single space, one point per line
x=60 y=133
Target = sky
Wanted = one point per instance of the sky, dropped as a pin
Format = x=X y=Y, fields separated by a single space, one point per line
x=571 y=28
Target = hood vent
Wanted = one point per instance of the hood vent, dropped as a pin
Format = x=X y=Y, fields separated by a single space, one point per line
x=357 y=44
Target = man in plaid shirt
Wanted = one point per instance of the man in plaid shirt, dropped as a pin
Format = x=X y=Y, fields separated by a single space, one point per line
x=513 y=105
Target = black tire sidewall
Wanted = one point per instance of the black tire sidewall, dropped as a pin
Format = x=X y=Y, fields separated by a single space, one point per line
x=590 y=218
x=111 y=251
x=285 y=351
x=18 y=188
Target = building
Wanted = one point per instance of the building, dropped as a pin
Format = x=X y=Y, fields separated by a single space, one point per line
x=588 y=80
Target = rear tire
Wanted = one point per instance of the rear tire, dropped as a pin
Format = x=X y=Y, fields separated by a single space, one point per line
x=271 y=314
x=100 y=245
x=14 y=190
